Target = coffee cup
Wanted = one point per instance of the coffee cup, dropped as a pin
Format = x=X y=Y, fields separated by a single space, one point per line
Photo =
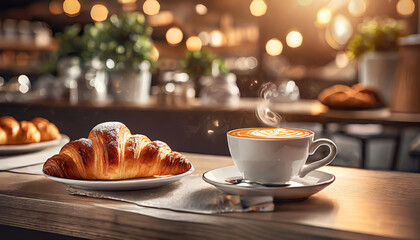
x=276 y=155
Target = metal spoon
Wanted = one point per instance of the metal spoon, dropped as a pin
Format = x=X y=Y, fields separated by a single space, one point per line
x=248 y=183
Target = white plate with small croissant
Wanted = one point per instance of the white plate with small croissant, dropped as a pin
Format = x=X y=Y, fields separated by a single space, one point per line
x=28 y=136
x=113 y=159
x=33 y=147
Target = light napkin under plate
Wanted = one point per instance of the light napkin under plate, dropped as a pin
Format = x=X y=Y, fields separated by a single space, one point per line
x=190 y=194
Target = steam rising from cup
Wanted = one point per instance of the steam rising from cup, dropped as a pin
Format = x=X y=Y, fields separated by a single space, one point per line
x=267 y=116
x=268 y=93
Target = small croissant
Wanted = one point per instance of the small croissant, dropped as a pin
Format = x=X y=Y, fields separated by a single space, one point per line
x=111 y=152
x=14 y=132
x=47 y=129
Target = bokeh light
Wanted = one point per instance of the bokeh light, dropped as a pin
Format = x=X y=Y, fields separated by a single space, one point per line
x=99 y=13
x=357 y=8
x=155 y=53
x=341 y=29
x=110 y=63
x=55 y=7
x=242 y=63
x=204 y=37
x=71 y=7
x=274 y=47
x=329 y=39
x=294 y=39
x=323 y=16
x=405 y=7
x=151 y=7
x=258 y=7
x=24 y=80
x=216 y=38
x=23 y=88
x=170 y=87
x=194 y=43
x=201 y=9
x=342 y=60
x=174 y=35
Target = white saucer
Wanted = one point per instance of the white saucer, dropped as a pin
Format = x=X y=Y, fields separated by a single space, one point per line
x=299 y=188
x=32 y=147
x=121 y=185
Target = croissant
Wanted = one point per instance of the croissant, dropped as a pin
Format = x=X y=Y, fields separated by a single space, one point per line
x=18 y=132
x=112 y=153
x=47 y=129
x=10 y=127
x=37 y=130
x=3 y=136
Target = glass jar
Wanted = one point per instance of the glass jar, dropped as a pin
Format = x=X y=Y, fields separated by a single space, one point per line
x=68 y=72
x=220 y=90
x=175 y=89
x=132 y=85
x=93 y=82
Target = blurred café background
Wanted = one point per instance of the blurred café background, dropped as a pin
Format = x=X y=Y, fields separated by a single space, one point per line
x=187 y=71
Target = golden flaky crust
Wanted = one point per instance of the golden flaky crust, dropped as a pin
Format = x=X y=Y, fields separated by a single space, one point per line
x=28 y=133
x=37 y=130
x=10 y=127
x=47 y=129
x=112 y=153
x=3 y=136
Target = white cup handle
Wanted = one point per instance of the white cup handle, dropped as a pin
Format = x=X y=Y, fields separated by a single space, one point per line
x=307 y=168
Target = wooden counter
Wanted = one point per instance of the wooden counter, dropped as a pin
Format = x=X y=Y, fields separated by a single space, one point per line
x=193 y=127
x=360 y=204
x=298 y=111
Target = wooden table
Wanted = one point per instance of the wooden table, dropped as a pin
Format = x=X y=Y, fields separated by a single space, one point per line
x=360 y=204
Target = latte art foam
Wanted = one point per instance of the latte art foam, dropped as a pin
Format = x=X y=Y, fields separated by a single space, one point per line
x=270 y=133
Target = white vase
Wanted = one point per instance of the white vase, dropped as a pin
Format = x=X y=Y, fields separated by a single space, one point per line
x=132 y=85
x=378 y=71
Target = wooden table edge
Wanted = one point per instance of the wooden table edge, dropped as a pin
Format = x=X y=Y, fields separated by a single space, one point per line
x=101 y=222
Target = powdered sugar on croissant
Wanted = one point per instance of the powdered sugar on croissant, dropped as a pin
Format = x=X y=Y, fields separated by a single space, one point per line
x=111 y=152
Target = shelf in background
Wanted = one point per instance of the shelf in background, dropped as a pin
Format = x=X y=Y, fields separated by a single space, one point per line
x=30 y=46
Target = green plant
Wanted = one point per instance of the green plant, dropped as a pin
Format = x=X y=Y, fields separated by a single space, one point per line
x=375 y=35
x=125 y=39
x=69 y=43
x=199 y=63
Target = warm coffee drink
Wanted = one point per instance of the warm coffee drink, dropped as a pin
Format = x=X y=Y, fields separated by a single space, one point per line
x=275 y=155
x=270 y=133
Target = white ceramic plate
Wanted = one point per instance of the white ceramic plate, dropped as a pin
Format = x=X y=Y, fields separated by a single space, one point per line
x=299 y=188
x=32 y=147
x=120 y=185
